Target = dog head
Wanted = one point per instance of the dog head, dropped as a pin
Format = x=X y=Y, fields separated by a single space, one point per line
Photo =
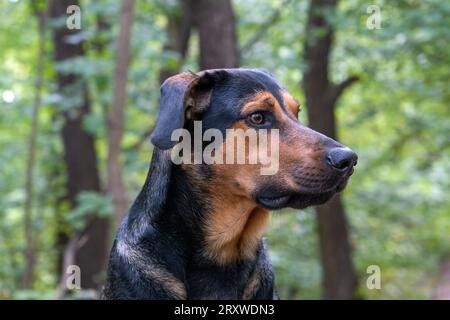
x=311 y=167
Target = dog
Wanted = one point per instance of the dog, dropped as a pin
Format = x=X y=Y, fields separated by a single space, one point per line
x=195 y=231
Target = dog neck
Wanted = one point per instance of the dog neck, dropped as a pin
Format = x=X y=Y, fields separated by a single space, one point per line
x=222 y=227
x=234 y=229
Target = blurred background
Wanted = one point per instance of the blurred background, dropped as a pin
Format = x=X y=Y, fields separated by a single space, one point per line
x=79 y=98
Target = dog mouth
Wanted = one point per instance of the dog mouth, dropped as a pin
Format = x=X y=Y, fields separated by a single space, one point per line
x=294 y=200
x=274 y=198
x=273 y=203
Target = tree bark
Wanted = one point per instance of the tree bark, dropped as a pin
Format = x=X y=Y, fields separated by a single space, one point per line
x=28 y=275
x=339 y=280
x=79 y=153
x=217 y=32
x=116 y=186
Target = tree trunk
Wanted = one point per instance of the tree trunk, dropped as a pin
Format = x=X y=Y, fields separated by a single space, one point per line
x=79 y=153
x=179 y=28
x=28 y=276
x=217 y=31
x=116 y=186
x=339 y=280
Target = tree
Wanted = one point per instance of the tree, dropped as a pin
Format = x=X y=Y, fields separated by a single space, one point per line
x=88 y=247
x=116 y=186
x=28 y=276
x=217 y=32
x=178 y=30
x=339 y=280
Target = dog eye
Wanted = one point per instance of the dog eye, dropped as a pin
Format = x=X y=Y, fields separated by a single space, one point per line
x=257 y=118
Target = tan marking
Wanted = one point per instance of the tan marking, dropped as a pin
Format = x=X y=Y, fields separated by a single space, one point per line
x=291 y=103
x=155 y=273
x=234 y=230
x=168 y=281
x=253 y=285
x=262 y=100
x=181 y=77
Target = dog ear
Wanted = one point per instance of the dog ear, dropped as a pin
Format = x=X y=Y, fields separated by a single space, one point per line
x=183 y=97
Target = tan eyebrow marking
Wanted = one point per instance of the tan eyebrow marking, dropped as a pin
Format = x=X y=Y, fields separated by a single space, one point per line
x=291 y=103
x=261 y=100
x=265 y=101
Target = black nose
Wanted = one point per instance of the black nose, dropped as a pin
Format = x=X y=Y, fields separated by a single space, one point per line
x=341 y=158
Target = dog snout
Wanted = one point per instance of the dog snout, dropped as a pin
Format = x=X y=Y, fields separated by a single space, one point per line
x=341 y=158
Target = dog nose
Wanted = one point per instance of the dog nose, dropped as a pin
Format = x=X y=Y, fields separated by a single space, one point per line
x=341 y=158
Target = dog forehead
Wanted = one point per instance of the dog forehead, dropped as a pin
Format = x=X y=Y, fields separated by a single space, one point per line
x=234 y=92
x=251 y=80
x=242 y=84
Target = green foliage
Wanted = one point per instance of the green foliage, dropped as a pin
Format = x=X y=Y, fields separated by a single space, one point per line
x=89 y=202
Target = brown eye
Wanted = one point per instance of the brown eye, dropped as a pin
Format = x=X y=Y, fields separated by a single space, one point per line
x=257 y=118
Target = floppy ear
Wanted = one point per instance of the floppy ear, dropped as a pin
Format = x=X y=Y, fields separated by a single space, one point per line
x=183 y=97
